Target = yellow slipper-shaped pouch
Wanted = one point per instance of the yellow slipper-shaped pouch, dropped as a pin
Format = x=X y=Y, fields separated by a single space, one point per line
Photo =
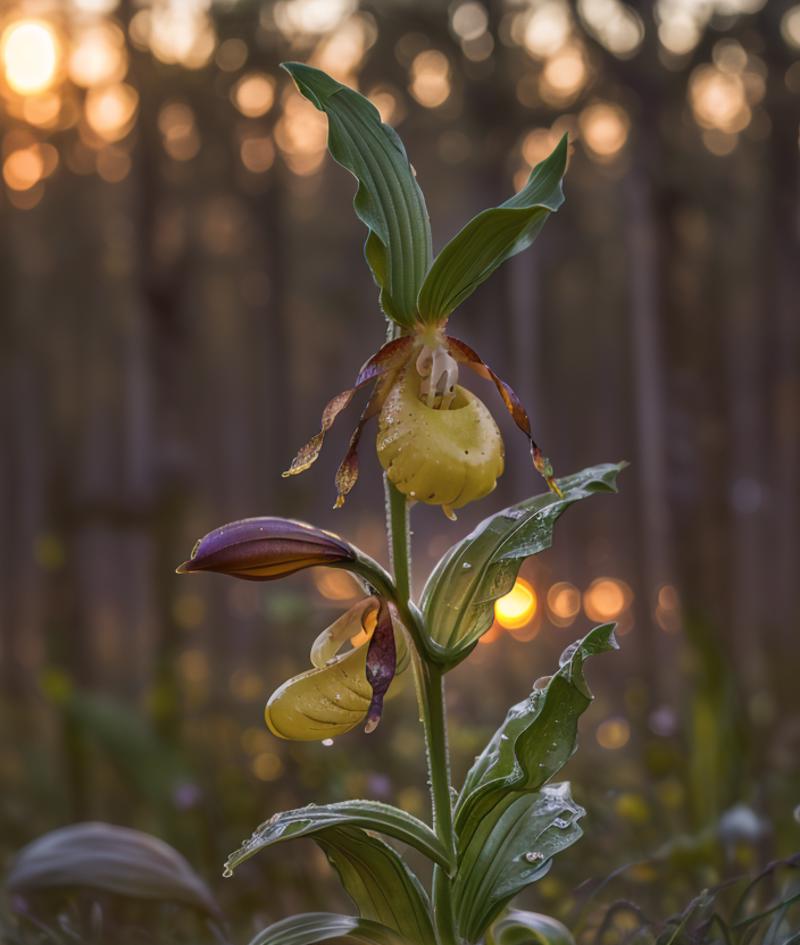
x=446 y=457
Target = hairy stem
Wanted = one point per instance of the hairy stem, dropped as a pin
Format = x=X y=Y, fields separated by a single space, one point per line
x=430 y=693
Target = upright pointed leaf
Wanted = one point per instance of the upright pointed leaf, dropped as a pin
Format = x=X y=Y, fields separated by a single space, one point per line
x=313 y=927
x=371 y=815
x=388 y=200
x=536 y=739
x=511 y=848
x=458 y=599
x=492 y=237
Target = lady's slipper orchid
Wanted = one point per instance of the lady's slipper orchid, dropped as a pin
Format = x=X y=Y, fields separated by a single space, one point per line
x=437 y=442
x=341 y=689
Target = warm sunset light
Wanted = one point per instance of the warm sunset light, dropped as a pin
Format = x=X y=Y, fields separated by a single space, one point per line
x=30 y=53
x=563 y=75
x=518 y=607
x=547 y=29
x=98 y=56
x=563 y=603
x=604 y=128
x=23 y=169
x=111 y=110
x=430 y=78
x=254 y=94
x=335 y=585
x=718 y=99
x=606 y=598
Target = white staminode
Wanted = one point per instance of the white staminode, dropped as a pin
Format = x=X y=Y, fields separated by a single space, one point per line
x=439 y=372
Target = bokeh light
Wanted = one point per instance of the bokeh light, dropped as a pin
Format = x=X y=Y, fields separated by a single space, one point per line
x=98 y=55
x=606 y=598
x=23 y=168
x=617 y=26
x=469 y=21
x=387 y=100
x=254 y=94
x=430 y=78
x=563 y=603
x=301 y=134
x=297 y=18
x=335 y=585
x=604 y=129
x=563 y=76
x=613 y=734
x=178 y=129
x=518 y=607
x=111 y=110
x=257 y=152
x=790 y=26
x=547 y=28
x=30 y=52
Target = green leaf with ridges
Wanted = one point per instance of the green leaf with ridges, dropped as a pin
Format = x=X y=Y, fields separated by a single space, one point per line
x=510 y=849
x=529 y=928
x=313 y=927
x=388 y=200
x=536 y=739
x=492 y=237
x=379 y=882
x=370 y=815
x=458 y=599
x=374 y=875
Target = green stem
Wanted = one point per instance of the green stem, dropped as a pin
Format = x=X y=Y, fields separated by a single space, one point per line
x=430 y=692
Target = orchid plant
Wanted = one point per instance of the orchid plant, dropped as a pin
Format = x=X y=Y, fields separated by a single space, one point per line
x=438 y=444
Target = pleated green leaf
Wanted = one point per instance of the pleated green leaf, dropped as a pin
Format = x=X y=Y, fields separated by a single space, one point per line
x=458 y=599
x=492 y=237
x=529 y=928
x=511 y=848
x=370 y=815
x=388 y=199
x=379 y=882
x=374 y=875
x=535 y=741
x=313 y=927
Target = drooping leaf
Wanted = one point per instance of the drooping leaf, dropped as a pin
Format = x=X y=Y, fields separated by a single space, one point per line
x=536 y=739
x=388 y=200
x=374 y=875
x=370 y=815
x=529 y=928
x=313 y=927
x=458 y=599
x=492 y=237
x=511 y=848
x=111 y=859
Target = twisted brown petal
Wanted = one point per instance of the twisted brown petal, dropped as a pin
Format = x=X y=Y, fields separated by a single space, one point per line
x=462 y=352
x=347 y=473
x=264 y=549
x=377 y=365
x=381 y=664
